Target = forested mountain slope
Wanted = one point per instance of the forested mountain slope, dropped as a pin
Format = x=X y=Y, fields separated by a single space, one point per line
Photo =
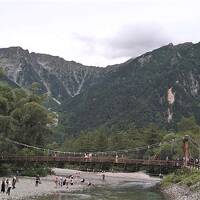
x=158 y=87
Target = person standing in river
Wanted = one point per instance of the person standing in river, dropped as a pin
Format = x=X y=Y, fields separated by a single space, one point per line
x=3 y=186
x=103 y=177
x=14 y=182
x=37 y=180
x=61 y=181
x=7 y=181
x=9 y=188
x=56 y=181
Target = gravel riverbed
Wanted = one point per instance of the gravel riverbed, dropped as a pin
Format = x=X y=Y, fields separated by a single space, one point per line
x=25 y=188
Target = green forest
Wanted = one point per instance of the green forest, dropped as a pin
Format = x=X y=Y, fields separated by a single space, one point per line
x=170 y=142
x=24 y=118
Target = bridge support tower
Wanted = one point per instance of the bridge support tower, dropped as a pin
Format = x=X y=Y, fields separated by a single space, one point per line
x=186 y=150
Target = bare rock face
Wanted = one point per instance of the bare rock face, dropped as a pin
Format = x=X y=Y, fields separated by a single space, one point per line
x=59 y=78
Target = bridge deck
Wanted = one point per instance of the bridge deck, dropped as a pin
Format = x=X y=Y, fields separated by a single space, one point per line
x=79 y=159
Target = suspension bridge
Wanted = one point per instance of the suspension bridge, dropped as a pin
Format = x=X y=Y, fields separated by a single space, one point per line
x=109 y=157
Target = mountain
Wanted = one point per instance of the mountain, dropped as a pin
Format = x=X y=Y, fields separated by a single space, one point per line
x=58 y=78
x=158 y=87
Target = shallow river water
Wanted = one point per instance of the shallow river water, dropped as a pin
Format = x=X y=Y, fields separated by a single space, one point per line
x=124 y=191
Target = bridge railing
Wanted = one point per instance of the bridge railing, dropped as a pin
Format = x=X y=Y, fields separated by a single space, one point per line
x=94 y=159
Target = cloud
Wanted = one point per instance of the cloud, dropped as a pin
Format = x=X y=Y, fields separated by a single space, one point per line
x=132 y=40
x=99 y=32
x=128 y=41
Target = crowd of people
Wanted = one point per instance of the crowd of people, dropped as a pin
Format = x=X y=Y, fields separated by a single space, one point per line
x=7 y=185
x=66 y=181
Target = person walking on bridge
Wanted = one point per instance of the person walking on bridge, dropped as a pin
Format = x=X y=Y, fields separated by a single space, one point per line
x=116 y=158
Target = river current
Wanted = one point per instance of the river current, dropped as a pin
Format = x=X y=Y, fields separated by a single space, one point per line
x=124 y=191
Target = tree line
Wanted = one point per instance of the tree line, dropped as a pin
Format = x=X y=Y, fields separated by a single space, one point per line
x=23 y=117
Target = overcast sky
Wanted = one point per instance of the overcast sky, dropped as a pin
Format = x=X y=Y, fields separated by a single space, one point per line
x=97 y=32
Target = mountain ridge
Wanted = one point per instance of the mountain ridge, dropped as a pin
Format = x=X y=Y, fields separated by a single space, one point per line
x=160 y=86
x=138 y=92
x=18 y=64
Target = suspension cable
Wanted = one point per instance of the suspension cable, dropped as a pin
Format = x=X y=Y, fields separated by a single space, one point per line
x=136 y=149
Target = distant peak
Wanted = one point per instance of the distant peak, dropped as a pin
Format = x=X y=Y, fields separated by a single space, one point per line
x=185 y=44
x=14 y=49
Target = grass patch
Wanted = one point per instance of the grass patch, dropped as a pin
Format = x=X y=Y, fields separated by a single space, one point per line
x=188 y=177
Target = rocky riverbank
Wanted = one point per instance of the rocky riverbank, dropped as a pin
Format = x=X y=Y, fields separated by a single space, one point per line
x=180 y=192
x=183 y=184
x=25 y=188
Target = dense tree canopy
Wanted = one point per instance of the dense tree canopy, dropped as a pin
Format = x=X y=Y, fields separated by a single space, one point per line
x=169 y=144
x=22 y=117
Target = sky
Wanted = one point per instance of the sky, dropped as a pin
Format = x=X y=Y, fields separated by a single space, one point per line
x=97 y=32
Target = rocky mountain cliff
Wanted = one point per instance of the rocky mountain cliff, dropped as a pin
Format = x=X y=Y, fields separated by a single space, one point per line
x=59 y=78
x=158 y=87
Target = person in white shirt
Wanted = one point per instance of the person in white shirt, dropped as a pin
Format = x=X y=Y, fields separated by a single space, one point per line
x=9 y=187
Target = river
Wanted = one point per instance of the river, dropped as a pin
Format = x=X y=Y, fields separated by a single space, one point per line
x=124 y=191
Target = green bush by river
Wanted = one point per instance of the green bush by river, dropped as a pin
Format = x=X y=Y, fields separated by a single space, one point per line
x=188 y=177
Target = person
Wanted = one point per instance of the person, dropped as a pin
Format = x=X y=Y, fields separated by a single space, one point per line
x=82 y=180
x=116 y=158
x=37 y=180
x=160 y=175
x=89 y=183
x=17 y=176
x=9 y=188
x=3 y=186
x=90 y=156
x=14 y=182
x=7 y=181
x=85 y=156
x=56 y=181
x=177 y=162
x=167 y=158
x=67 y=183
x=71 y=182
x=103 y=177
x=61 y=181
x=64 y=181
